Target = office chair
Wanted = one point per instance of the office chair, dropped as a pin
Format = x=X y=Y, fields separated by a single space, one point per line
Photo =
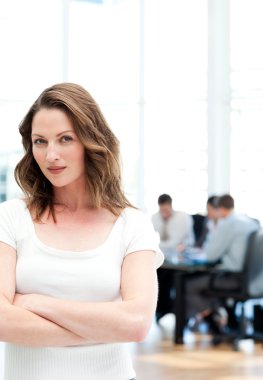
x=198 y=226
x=241 y=286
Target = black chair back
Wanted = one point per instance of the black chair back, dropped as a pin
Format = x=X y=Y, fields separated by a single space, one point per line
x=225 y=283
x=198 y=226
x=254 y=266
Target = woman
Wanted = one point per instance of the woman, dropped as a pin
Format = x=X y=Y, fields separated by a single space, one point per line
x=77 y=261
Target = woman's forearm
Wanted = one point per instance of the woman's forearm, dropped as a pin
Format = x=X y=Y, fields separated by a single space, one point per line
x=97 y=321
x=124 y=321
x=23 y=327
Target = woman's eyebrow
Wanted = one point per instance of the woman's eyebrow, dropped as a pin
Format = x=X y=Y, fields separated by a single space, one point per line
x=59 y=134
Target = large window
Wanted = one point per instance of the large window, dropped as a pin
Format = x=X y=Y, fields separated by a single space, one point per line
x=145 y=62
x=175 y=95
x=247 y=105
x=104 y=54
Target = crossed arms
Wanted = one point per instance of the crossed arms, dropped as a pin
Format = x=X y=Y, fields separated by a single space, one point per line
x=42 y=321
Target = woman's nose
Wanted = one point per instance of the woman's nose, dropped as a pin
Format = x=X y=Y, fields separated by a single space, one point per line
x=52 y=153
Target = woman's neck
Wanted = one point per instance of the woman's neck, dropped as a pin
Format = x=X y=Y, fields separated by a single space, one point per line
x=73 y=197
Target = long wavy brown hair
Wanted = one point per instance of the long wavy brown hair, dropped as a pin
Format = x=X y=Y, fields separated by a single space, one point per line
x=103 y=172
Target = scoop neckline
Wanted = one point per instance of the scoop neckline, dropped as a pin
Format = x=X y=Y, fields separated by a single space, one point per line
x=65 y=252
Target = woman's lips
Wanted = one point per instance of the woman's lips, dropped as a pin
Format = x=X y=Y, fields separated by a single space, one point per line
x=56 y=169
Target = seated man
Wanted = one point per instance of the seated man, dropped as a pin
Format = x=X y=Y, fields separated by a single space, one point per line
x=227 y=247
x=174 y=227
x=175 y=230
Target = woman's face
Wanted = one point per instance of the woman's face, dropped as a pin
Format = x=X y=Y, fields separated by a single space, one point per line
x=56 y=148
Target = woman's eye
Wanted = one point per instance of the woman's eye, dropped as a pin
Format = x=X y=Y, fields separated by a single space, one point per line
x=66 y=138
x=39 y=141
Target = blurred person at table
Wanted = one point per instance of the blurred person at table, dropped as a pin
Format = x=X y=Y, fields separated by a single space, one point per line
x=176 y=231
x=226 y=248
x=174 y=227
x=211 y=221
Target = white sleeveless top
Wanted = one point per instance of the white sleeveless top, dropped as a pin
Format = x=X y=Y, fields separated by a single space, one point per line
x=93 y=275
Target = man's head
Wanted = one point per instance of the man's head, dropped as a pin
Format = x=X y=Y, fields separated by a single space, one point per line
x=226 y=205
x=212 y=207
x=165 y=206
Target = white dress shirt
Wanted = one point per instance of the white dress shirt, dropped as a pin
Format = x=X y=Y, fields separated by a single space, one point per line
x=178 y=229
x=228 y=243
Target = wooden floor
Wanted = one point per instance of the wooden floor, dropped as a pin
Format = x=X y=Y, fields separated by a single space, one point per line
x=158 y=359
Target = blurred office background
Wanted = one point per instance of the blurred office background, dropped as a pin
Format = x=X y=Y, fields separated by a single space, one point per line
x=180 y=82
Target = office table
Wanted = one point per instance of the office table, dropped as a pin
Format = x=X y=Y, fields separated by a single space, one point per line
x=182 y=270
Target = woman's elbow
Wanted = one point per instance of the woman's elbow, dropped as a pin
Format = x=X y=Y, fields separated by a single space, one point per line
x=139 y=329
